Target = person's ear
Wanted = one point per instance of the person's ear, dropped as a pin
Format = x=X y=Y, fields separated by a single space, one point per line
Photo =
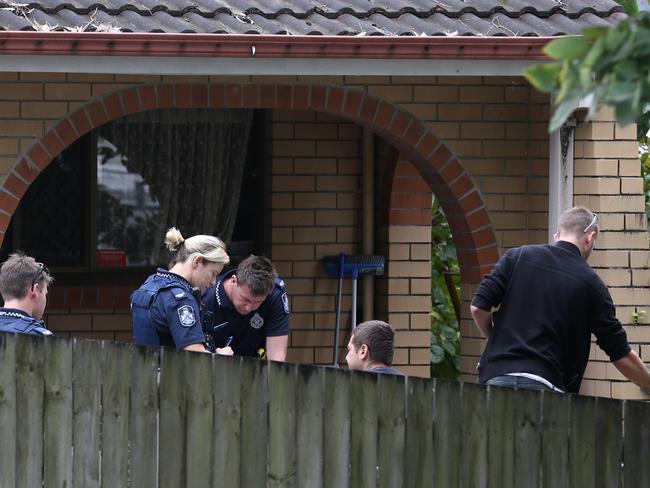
x=196 y=260
x=363 y=351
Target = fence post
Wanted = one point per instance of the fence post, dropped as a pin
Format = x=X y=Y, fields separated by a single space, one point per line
x=309 y=426
x=29 y=421
x=58 y=414
x=8 y=409
x=227 y=377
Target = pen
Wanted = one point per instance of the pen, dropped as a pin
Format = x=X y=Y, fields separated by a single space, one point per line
x=228 y=341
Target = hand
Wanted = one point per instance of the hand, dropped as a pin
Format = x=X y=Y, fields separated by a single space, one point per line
x=225 y=351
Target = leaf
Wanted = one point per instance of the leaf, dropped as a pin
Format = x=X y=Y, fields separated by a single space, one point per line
x=544 y=77
x=593 y=33
x=437 y=354
x=619 y=91
x=630 y=6
x=563 y=112
x=567 y=48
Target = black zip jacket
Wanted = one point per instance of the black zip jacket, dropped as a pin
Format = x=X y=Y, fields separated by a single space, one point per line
x=550 y=302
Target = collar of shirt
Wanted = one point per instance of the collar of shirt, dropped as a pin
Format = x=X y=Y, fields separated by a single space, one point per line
x=15 y=313
x=568 y=246
x=167 y=274
x=220 y=290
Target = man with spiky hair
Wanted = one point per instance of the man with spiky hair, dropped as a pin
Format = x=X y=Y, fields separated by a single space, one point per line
x=23 y=285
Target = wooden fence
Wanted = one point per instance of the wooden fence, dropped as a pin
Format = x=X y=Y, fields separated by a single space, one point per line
x=80 y=413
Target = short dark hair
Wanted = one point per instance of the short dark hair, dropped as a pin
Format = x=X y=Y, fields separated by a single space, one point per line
x=379 y=337
x=258 y=273
x=18 y=273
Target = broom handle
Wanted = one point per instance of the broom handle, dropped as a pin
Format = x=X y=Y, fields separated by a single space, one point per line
x=335 y=352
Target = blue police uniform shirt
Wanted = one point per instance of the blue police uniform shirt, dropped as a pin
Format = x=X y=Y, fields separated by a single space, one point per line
x=248 y=332
x=165 y=312
x=15 y=320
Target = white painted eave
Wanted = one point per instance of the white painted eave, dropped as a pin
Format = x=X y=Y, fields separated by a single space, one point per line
x=192 y=66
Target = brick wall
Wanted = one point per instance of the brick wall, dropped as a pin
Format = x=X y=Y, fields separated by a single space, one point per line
x=495 y=126
x=608 y=180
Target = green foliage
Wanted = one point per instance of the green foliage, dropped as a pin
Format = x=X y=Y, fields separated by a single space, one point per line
x=612 y=65
x=645 y=173
x=445 y=337
x=637 y=316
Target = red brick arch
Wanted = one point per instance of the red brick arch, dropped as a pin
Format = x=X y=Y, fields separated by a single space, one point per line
x=435 y=163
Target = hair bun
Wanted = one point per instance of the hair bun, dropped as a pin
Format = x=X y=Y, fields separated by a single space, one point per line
x=173 y=239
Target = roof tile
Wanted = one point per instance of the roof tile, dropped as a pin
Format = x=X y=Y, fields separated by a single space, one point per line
x=306 y=17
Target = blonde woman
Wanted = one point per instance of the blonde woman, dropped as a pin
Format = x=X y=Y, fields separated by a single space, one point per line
x=166 y=308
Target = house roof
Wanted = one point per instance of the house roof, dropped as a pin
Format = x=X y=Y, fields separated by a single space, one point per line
x=484 y=18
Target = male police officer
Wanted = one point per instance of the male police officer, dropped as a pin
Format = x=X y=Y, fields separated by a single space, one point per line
x=248 y=310
x=23 y=286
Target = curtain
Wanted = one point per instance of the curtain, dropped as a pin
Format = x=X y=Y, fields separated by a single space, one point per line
x=192 y=161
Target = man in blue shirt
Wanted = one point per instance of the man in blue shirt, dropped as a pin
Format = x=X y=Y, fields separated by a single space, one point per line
x=23 y=286
x=248 y=310
x=371 y=348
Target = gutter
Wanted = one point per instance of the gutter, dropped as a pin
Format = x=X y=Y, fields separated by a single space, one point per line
x=270 y=46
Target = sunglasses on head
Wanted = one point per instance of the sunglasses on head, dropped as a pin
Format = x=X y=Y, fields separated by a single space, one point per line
x=40 y=271
x=593 y=222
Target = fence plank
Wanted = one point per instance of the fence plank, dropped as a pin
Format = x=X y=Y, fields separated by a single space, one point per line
x=582 y=441
x=637 y=444
x=200 y=421
x=58 y=414
x=309 y=426
x=116 y=367
x=609 y=447
x=172 y=448
x=447 y=434
x=501 y=452
x=282 y=425
x=87 y=412
x=528 y=438
x=474 y=435
x=336 y=435
x=363 y=429
x=254 y=423
x=419 y=433
x=143 y=418
x=391 y=435
x=555 y=440
x=226 y=387
x=29 y=401
x=8 y=409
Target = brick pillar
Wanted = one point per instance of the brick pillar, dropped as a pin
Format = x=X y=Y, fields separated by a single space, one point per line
x=608 y=180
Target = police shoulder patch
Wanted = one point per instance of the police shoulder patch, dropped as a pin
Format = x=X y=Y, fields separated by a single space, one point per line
x=186 y=316
x=285 y=302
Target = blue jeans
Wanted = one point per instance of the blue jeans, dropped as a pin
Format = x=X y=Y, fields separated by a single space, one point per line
x=517 y=382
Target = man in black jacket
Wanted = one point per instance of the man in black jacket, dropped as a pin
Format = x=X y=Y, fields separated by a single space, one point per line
x=539 y=307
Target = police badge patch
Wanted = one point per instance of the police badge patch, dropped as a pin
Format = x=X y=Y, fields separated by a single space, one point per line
x=285 y=302
x=186 y=316
x=256 y=321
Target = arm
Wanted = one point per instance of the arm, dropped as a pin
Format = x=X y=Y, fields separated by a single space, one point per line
x=634 y=370
x=196 y=348
x=482 y=319
x=276 y=348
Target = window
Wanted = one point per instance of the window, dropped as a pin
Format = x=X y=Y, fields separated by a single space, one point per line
x=182 y=167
